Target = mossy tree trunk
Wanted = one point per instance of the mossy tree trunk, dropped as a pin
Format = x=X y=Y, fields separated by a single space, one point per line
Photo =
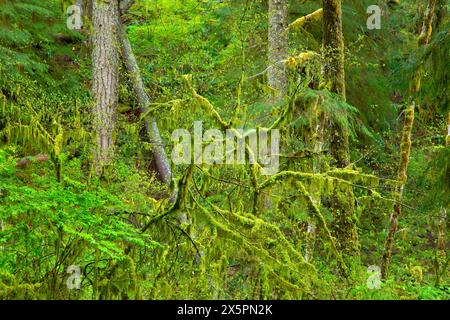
x=424 y=38
x=427 y=26
x=342 y=203
x=278 y=48
x=161 y=160
x=334 y=74
x=405 y=149
x=105 y=60
x=277 y=80
x=333 y=46
x=405 y=144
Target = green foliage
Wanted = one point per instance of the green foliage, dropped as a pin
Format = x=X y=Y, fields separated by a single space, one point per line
x=228 y=232
x=59 y=224
x=28 y=30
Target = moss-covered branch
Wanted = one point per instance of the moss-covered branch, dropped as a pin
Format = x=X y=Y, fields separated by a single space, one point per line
x=300 y=22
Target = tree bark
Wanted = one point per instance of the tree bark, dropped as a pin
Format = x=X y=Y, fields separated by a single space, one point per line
x=105 y=60
x=278 y=48
x=161 y=160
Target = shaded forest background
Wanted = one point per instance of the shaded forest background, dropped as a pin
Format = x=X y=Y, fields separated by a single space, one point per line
x=217 y=231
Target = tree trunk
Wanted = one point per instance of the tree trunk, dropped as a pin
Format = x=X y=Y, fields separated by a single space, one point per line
x=405 y=146
x=342 y=202
x=427 y=26
x=334 y=74
x=405 y=149
x=161 y=160
x=278 y=48
x=105 y=60
x=333 y=46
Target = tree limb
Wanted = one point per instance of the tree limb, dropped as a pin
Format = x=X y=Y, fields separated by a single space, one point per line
x=124 y=5
x=315 y=16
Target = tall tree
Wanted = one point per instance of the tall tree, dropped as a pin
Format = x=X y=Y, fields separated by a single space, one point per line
x=405 y=145
x=333 y=46
x=334 y=74
x=342 y=203
x=105 y=60
x=278 y=48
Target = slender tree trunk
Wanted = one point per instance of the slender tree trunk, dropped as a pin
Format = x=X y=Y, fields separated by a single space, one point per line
x=427 y=26
x=278 y=48
x=405 y=146
x=424 y=38
x=105 y=60
x=334 y=74
x=405 y=149
x=162 y=162
x=342 y=202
